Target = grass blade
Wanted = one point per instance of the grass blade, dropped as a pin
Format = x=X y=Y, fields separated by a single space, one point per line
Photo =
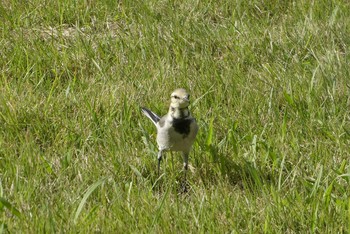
x=10 y=207
x=86 y=196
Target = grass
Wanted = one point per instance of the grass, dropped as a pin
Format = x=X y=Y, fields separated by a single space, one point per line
x=269 y=82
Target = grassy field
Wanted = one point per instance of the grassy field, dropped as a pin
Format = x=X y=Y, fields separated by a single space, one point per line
x=269 y=82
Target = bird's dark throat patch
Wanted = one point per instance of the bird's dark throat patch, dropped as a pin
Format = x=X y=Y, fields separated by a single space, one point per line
x=182 y=126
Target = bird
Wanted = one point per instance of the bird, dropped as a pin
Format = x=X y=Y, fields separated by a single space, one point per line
x=177 y=130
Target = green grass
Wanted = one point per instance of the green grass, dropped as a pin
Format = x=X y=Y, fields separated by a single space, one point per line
x=269 y=83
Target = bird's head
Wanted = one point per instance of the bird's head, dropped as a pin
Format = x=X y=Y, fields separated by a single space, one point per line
x=180 y=99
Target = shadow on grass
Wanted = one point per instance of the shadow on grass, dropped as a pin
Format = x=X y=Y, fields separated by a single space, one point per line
x=211 y=168
x=240 y=172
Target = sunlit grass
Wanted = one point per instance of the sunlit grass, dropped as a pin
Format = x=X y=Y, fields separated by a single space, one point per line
x=269 y=87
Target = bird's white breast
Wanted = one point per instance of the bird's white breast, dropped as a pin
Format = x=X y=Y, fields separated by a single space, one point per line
x=169 y=138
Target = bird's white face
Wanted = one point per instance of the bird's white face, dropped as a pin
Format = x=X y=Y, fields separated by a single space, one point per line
x=180 y=99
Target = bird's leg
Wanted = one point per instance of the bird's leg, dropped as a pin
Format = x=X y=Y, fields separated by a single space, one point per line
x=184 y=186
x=185 y=162
x=159 y=159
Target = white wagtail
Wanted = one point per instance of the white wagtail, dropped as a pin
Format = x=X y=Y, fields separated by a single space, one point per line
x=177 y=130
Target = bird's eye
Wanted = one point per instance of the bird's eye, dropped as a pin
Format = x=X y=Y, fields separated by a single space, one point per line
x=176 y=97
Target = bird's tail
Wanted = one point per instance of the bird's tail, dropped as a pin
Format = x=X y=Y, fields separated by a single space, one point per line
x=152 y=116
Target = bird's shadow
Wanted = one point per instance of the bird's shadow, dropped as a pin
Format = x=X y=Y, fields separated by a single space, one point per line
x=226 y=168
x=211 y=167
x=171 y=175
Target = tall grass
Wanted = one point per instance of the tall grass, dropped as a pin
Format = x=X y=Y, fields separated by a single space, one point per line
x=269 y=83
